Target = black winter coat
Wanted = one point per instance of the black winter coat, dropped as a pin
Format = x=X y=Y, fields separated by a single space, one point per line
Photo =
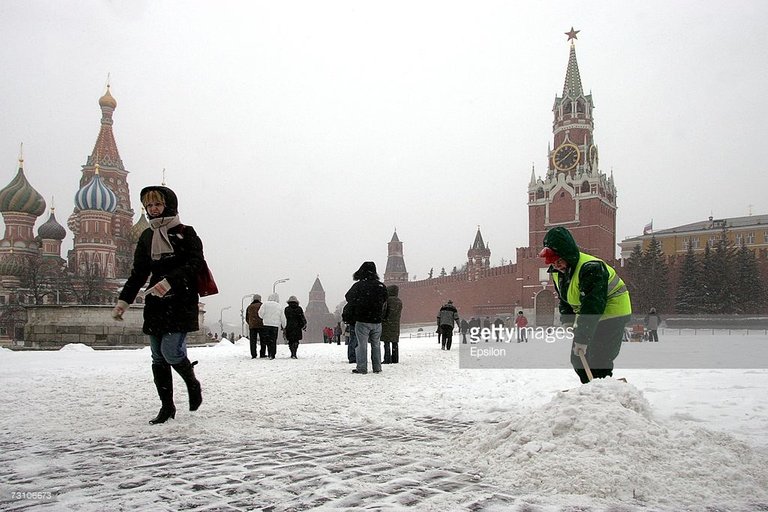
x=295 y=323
x=390 y=326
x=366 y=299
x=177 y=311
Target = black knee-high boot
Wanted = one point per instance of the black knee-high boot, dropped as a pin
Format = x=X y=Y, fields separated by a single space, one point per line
x=187 y=372
x=164 y=385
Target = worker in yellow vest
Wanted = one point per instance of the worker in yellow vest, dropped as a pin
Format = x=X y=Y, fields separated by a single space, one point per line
x=593 y=299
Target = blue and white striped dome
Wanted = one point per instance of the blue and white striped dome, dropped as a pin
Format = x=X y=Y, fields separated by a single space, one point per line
x=95 y=195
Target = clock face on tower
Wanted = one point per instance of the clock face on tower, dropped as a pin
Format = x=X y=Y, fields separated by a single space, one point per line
x=566 y=157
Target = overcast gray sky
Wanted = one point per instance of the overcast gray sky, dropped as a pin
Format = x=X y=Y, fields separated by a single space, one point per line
x=299 y=134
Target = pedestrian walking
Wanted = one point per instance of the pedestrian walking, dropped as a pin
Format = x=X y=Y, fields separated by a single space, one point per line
x=367 y=299
x=390 y=326
x=273 y=316
x=295 y=325
x=337 y=333
x=652 y=322
x=255 y=327
x=170 y=255
x=520 y=324
x=446 y=318
x=464 y=329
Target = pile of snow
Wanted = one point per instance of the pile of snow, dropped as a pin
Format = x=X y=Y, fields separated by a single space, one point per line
x=225 y=344
x=76 y=347
x=601 y=440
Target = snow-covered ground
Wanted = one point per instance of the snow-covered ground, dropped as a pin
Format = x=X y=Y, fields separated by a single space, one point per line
x=308 y=434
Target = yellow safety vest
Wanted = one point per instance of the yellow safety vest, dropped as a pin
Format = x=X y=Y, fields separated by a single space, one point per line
x=618 y=303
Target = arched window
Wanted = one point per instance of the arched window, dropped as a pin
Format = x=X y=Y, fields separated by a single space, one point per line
x=585 y=188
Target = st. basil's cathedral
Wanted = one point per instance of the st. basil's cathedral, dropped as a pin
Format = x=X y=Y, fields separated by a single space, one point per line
x=32 y=268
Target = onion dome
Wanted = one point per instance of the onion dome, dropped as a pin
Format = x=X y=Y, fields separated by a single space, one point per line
x=52 y=230
x=95 y=195
x=12 y=264
x=107 y=100
x=141 y=225
x=19 y=196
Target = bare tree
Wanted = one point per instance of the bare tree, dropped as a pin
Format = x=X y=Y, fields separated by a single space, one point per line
x=89 y=285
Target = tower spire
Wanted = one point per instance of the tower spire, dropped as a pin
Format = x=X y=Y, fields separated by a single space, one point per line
x=572 y=87
x=395 y=271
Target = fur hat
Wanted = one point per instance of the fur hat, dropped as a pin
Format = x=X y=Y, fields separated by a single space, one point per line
x=274 y=297
x=256 y=297
x=293 y=298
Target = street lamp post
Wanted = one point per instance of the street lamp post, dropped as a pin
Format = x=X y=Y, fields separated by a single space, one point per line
x=278 y=282
x=221 y=319
x=242 y=314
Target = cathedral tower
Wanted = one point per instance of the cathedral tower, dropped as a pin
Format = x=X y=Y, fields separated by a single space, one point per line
x=114 y=176
x=574 y=193
x=94 y=247
x=20 y=206
x=396 y=271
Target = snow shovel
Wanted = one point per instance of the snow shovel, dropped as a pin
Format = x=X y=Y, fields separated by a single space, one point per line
x=583 y=358
x=584 y=363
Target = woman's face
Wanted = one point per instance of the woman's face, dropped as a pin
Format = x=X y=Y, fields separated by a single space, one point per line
x=154 y=208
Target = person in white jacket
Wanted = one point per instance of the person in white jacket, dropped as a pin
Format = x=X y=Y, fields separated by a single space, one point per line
x=273 y=317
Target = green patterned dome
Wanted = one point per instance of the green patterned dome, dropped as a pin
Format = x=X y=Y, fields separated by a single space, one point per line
x=12 y=265
x=19 y=196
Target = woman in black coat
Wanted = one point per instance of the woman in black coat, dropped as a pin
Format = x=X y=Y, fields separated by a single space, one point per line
x=170 y=255
x=295 y=324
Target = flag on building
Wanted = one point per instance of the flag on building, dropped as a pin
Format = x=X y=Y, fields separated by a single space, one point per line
x=648 y=229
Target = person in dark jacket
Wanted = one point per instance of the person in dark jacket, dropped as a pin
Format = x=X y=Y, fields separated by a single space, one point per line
x=390 y=326
x=366 y=300
x=255 y=327
x=170 y=255
x=295 y=324
x=446 y=318
x=464 y=329
x=593 y=299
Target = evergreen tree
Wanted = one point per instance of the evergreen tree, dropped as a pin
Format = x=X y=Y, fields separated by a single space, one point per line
x=722 y=284
x=749 y=292
x=634 y=280
x=655 y=278
x=708 y=284
x=442 y=272
x=689 y=297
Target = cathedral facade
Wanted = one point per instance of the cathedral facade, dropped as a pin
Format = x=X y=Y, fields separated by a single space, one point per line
x=32 y=268
x=33 y=272
x=573 y=193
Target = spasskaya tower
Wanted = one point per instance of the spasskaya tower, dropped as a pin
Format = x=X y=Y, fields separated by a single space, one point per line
x=574 y=193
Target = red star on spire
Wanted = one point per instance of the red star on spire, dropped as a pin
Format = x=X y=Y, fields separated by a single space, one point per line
x=572 y=34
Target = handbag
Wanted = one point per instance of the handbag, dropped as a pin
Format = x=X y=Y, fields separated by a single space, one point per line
x=205 y=283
